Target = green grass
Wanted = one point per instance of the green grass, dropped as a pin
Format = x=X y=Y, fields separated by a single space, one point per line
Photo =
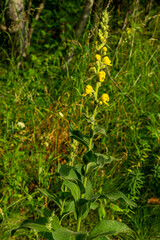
x=46 y=98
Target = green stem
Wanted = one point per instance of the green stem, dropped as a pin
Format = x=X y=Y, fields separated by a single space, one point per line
x=82 y=196
x=63 y=203
x=94 y=115
x=90 y=147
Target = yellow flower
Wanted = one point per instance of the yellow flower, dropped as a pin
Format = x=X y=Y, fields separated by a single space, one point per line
x=104 y=49
x=88 y=90
x=129 y=30
x=101 y=38
x=97 y=57
x=107 y=61
x=101 y=76
x=104 y=99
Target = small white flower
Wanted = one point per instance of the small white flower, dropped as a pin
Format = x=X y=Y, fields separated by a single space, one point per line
x=61 y=114
x=46 y=144
x=21 y=125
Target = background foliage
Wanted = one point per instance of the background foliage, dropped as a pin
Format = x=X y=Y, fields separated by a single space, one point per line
x=46 y=97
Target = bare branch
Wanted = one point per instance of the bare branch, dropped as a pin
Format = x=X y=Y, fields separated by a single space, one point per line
x=80 y=28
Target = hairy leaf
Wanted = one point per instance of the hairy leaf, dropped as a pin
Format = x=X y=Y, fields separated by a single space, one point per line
x=68 y=172
x=108 y=228
x=89 y=157
x=74 y=188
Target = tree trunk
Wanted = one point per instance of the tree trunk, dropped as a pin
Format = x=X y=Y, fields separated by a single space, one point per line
x=16 y=26
x=84 y=17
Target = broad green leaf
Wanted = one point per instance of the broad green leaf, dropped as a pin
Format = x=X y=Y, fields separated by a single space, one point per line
x=82 y=208
x=31 y=225
x=51 y=196
x=89 y=190
x=89 y=157
x=66 y=234
x=68 y=208
x=108 y=228
x=74 y=188
x=114 y=195
x=94 y=205
x=46 y=212
x=52 y=222
x=64 y=195
x=68 y=172
x=77 y=135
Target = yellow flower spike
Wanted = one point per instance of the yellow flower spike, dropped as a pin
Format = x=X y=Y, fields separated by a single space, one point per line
x=104 y=49
x=97 y=57
x=107 y=61
x=101 y=76
x=104 y=99
x=88 y=90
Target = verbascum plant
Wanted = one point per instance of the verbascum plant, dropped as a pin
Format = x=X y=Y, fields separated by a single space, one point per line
x=77 y=196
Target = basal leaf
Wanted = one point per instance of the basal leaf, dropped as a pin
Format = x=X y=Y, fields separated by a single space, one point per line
x=108 y=228
x=114 y=195
x=31 y=225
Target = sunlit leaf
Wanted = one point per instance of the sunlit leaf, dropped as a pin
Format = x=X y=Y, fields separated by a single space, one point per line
x=74 y=188
x=108 y=228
